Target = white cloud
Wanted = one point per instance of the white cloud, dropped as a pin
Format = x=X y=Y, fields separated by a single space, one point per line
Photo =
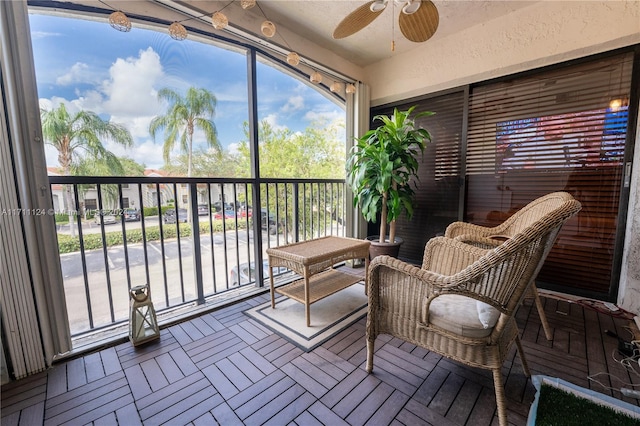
x=51 y=155
x=91 y=100
x=327 y=116
x=148 y=153
x=138 y=126
x=36 y=35
x=73 y=106
x=294 y=103
x=232 y=148
x=130 y=90
x=272 y=119
x=78 y=73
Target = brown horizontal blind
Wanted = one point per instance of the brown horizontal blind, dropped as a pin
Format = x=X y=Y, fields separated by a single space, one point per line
x=438 y=186
x=557 y=130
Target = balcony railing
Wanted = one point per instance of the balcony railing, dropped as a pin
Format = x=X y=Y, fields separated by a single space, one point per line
x=116 y=233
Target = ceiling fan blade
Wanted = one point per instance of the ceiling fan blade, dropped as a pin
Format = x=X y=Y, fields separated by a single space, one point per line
x=422 y=24
x=356 y=20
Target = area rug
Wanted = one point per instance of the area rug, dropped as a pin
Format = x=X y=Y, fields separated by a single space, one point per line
x=329 y=316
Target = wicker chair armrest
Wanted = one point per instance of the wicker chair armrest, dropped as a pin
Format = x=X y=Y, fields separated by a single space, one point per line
x=398 y=268
x=486 y=243
x=399 y=289
x=447 y=256
x=456 y=229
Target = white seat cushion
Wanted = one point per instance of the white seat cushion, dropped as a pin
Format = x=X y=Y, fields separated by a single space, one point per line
x=459 y=314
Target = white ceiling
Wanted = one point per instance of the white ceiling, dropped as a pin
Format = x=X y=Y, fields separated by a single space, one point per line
x=315 y=20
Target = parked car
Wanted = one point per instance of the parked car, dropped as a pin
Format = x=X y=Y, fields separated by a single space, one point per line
x=203 y=210
x=228 y=214
x=218 y=206
x=170 y=216
x=244 y=213
x=271 y=222
x=131 y=215
x=105 y=218
x=243 y=277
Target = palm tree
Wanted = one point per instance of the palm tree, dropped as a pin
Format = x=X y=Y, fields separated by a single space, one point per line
x=79 y=137
x=195 y=110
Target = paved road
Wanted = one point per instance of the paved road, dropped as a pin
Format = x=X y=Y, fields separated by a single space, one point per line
x=170 y=276
x=95 y=259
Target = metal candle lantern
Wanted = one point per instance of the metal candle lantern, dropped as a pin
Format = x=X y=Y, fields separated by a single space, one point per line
x=143 y=325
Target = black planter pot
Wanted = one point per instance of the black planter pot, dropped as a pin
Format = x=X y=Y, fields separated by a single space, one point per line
x=377 y=248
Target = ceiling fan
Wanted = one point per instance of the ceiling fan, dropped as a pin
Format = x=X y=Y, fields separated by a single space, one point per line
x=418 y=19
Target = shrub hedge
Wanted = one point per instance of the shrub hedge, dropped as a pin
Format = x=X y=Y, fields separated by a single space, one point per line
x=69 y=244
x=153 y=211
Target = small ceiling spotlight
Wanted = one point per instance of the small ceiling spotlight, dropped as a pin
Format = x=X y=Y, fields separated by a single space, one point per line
x=316 y=77
x=350 y=89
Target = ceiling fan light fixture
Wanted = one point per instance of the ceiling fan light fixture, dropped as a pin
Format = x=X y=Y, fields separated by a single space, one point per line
x=418 y=19
x=350 y=89
x=219 y=21
x=378 y=6
x=268 y=29
x=316 y=77
x=411 y=7
x=119 y=21
x=177 y=31
x=247 y=4
x=293 y=59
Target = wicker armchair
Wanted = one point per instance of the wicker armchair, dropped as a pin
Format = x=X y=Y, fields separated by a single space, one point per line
x=513 y=225
x=461 y=303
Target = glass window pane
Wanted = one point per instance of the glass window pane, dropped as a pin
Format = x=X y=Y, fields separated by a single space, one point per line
x=128 y=79
x=301 y=126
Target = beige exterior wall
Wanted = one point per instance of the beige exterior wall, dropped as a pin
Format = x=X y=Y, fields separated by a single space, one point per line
x=542 y=34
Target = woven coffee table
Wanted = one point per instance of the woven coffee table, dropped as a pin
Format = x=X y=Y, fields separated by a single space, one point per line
x=314 y=261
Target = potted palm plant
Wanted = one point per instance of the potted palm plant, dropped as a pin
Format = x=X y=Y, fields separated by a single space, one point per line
x=380 y=170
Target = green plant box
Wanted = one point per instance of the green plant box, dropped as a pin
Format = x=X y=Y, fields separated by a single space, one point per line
x=560 y=403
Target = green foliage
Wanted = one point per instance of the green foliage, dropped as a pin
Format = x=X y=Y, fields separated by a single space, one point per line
x=150 y=211
x=118 y=166
x=205 y=163
x=318 y=152
x=131 y=167
x=69 y=244
x=61 y=218
x=382 y=165
x=153 y=211
x=79 y=139
x=194 y=110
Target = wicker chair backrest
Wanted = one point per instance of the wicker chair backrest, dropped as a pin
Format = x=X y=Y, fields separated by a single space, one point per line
x=502 y=274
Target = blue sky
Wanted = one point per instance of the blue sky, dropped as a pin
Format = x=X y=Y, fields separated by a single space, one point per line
x=89 y=65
